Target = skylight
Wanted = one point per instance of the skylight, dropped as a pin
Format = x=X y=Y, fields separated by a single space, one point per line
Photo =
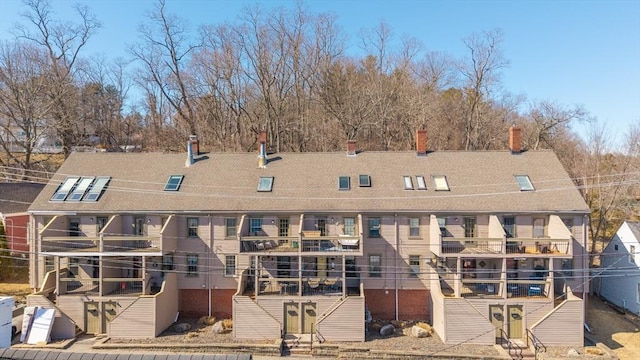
x=64 y=189
x=344 y=183
x=97 y=188
x=364 y=180
x=524 y=182
x=440 y=182
x=265 y=183
x=81 y=188
x=173 y=184
x=408 y=183
x=422 y=185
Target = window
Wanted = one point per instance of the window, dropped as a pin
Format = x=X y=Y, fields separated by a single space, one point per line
x=255 y=226
x=567 y=267
x=192 y=227
x=350 y=226
x=173 y=184
x=414 y=264
x=414 y=226
x=97 y=188
x=538 y=228
x=230 y=265
x=321 y=224
x=230 y=227
x=344 y=183
x=510 y=226
x=632 y=254
x=192 y=265
x=408 y=183
x=74 y=266
x=524 y=182
x=74 y=227
x=78 y=192
x=469 y=227
x=374 y=227
x=440 y=183
x=138 y=226
x=375 y=266
x=283 y=227
x=422 y=184
x=364 y=180
x=65 y=188
x=48 y=264
x=568 y=222
x=101 y=222
x=265 y=183
x=442 y=224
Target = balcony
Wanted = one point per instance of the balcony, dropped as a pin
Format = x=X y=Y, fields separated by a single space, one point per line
x=108 y=244
x=308 y=242
x=480 y=246
x=110 y=286
x=310 y=286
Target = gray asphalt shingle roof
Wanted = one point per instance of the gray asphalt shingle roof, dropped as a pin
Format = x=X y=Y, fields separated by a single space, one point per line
x=227 y=182
x=17 y=197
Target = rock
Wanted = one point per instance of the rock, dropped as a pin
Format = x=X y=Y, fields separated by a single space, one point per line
x=182 y=327
x=418 y=332
x=573 y=352
x=218 y=328
x=387 y=330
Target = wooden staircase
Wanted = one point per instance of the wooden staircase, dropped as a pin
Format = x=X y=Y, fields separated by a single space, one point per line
x=298 y=345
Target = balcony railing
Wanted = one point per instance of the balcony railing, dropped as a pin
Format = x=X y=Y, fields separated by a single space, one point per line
x=111 y=286
x=479 y=246
x=266 y=244
x=495 y=288
x=109 y=243
x=300 y=286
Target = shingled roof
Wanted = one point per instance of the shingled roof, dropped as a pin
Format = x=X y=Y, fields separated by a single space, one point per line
x=308 y=182
x=17 y=197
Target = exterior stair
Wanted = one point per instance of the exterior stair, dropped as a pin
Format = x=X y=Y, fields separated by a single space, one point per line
x=298 y=345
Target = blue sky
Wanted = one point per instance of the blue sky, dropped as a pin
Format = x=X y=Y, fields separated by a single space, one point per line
x=572 y=52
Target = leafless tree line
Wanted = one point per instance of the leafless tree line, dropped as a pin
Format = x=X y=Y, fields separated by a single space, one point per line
x=285 y=71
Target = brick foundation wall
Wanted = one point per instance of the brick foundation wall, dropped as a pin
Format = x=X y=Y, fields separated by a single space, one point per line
x=193 y=302
x=412 y=304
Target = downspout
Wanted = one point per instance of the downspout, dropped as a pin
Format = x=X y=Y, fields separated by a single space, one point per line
x=395 y=262
x=209 y=264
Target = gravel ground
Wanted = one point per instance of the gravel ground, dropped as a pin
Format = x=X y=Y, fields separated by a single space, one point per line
x=400 y=341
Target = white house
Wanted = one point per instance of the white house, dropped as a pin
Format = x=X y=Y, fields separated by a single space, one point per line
x=620 y=278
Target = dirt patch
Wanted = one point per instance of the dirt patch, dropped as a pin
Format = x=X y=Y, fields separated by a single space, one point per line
x=19 y=291
x=620 y=332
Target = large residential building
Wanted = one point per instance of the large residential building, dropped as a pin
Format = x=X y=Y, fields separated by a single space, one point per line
x=483 y=244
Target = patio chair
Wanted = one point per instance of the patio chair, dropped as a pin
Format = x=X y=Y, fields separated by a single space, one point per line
x=535 y=290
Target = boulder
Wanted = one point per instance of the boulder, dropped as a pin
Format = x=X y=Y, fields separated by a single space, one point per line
x=418 y=332
x=182 y=327
x=218 y=327
x=573 y=353
x=387 y=330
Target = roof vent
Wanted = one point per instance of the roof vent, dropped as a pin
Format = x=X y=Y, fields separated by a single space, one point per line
x=189 y=161
x=262 y=156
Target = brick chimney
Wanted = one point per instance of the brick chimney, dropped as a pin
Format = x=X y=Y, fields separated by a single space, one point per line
x=421 y=142
x=351 y=148
x=195 y=144
x=262 y=139
x=515 y=140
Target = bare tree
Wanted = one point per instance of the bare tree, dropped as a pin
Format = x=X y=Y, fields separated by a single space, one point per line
x=481 y=77
x=63 y=42
x=164 y=50
x=548 y=119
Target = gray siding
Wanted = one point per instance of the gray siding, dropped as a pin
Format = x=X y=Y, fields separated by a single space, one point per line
x=166 y=303
x=141 y=313
x=346 y=322
x=250 y=321
x=466 y=323
x=563 y=326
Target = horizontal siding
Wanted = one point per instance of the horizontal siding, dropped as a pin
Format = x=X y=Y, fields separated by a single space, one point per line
x=142 y=314
x=563 y=326
x=346 y=322
x=466 y=323
x=63 y=327
x=273 y=306
x=250 y=321
x=166 y=303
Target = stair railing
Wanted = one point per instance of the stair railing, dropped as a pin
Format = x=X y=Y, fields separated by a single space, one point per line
x=515 y=351
x=538 y=346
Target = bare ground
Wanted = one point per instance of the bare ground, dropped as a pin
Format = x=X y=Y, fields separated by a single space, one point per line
x=621 y=333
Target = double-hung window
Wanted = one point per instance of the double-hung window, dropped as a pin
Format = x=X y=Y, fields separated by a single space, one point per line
x=192 y=265
x=375 y=266
x=255 y=226
x=469 y=227
x=192 y=227
x=414 y=264
x=230 y=227
x=350 y=226
x=374 y=227
x=414 y=227
x=230 y=265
